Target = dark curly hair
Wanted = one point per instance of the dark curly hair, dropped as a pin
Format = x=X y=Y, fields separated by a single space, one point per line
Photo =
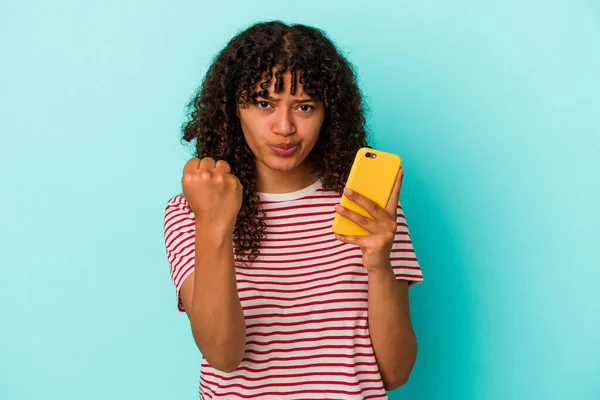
x=251 y=56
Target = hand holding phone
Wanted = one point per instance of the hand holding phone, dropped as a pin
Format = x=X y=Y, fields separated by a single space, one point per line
x=373 y=174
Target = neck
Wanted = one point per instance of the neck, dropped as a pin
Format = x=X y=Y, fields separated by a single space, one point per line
x=271 y=181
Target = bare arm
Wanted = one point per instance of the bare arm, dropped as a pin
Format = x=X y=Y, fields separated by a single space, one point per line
x=212 y=303
x=392 y=335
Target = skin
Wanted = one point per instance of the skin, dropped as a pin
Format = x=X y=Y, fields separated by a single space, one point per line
x=283 y=118
x=212 y=302
x=392 y=334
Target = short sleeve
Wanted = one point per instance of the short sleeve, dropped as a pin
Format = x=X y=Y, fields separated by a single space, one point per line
x=179 y=231
x=403 y=258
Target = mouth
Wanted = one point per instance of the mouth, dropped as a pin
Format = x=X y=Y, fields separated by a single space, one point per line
x=285 y=149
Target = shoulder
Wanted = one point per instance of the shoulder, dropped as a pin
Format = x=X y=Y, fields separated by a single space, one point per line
x=178 y=201
x=178 y=205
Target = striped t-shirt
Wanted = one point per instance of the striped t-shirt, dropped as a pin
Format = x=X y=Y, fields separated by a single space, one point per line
x=304 y=300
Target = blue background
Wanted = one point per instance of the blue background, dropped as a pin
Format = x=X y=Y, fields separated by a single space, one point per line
x=494 y=107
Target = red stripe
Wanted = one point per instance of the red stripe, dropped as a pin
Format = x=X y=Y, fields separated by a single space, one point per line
x=185 y=248
x=302 y=260
x=314 y=321
x=306 y=339
x=320 y=249
x=304 y=215
x=174 y=217
x=171 y=231
x=174 y=235
x=404 y=259
x=375 y=396
x=371 y=396
x=327 y=221
x=182 y=267
x=206 y=388
x=301 y=206
x=278 y=384
x=286 y=376
x=261 y=264
x=409 y=276
x=294 y=246
x=311 y=273
x=270 y=290
x=320 y=235
x=312 y=303
x=299 y=366
x=183 y=258
x=184 y=272
x=311 y=348
x=305 y=313
x=327 y=227
x=311 y=357
x=308 y=296
x=303 y=331
x=320 y=197
x=293 y=392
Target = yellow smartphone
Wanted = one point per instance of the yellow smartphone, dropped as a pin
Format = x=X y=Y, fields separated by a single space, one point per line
x=373 y=174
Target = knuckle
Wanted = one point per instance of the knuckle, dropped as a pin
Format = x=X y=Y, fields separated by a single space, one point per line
x=387 y=238
x=205 y=175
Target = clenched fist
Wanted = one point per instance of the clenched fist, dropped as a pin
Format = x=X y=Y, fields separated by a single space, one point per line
x=212 y=192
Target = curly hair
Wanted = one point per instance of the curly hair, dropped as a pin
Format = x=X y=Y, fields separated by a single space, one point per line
x=249 y=58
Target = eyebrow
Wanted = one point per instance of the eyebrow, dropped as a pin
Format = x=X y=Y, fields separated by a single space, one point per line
x=305 y=100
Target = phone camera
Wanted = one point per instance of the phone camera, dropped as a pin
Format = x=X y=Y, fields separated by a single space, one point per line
x=371 y=155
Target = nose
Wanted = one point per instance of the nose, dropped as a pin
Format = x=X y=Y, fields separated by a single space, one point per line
x=283 y=123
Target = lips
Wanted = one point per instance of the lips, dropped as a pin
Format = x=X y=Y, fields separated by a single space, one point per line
x=285 y=149
x=285 y=146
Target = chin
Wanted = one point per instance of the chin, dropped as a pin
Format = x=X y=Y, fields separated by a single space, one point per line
x=283 y=164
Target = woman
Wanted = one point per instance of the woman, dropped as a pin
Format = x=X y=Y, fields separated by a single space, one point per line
x=278 y=305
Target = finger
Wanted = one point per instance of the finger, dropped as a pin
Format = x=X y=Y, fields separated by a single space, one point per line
x=207 y=163
x=392 y=206
x=223 y=166
x=372 y=208
x=367 y=224
x=191 y=165
x=356 y=240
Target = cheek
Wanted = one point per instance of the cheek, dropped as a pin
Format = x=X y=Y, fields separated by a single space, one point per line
x=252 y=128
x=313 y=129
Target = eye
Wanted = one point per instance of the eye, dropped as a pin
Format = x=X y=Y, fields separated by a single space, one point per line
x=262 y=104
x=306 y=107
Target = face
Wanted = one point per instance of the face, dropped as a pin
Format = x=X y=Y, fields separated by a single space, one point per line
x=282 y=130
